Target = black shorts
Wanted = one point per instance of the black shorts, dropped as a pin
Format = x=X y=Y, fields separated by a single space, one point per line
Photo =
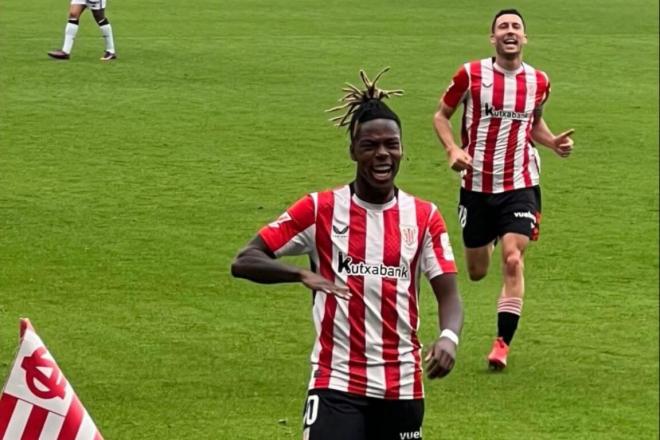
x=335 y=415
x=485 y=217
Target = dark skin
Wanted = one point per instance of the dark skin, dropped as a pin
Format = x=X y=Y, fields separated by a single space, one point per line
x=377 y=151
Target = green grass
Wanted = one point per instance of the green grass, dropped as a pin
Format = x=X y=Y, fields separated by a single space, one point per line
x=126 y=189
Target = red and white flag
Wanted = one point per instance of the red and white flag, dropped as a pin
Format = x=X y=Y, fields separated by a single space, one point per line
x=37 y=401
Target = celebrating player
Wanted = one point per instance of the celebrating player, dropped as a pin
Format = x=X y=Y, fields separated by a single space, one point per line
x=500 y=197
x=368 y=242
x=98 y=11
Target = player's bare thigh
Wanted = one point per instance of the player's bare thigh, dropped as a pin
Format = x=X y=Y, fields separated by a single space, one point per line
x=478 y=260
x=75 y=11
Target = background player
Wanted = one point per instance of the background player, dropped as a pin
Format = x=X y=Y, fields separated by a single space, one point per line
x=368 y=242
x=98 y=11
x=500 y=198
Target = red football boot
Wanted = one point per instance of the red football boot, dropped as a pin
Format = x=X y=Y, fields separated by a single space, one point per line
x=498 y=354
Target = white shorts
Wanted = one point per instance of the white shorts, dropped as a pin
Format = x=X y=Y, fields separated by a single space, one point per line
x=91 y=4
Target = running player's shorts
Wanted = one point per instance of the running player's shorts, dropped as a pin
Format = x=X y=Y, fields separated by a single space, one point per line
x=485 y=217
x=335 y=415
x=91 y=4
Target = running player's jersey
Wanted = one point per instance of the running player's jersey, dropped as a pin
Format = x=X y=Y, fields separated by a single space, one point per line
x=497 y=121
x=367 y=345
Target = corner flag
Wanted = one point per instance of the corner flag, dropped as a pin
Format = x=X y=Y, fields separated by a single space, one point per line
x=37 y=401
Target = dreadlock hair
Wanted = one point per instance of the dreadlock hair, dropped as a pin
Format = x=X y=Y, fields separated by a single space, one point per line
x=364 y=105
x=505 y=12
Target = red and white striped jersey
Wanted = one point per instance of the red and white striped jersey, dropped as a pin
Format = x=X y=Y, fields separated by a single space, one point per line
x=497 y=121
x=367 y=345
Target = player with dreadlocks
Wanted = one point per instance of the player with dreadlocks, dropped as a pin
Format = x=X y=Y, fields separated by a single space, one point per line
x=368 y=243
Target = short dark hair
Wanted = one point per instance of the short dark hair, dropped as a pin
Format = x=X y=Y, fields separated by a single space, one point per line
x=505 y=12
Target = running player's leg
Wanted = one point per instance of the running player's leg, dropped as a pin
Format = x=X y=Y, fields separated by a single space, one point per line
x=479 y=232
x=106 y=30
x=395 y=419
x=478 y=260
x=75 y=10
x=519 y=223
x=513 y=289
x=333 y=415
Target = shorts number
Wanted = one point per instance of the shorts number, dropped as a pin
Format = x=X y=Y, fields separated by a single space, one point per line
x=312 y=410
x=462 y=215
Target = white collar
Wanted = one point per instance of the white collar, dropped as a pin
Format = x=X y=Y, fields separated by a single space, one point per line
x=374 y=206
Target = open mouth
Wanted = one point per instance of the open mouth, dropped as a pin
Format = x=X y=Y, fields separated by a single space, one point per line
x=510 y=41
x=382 y=172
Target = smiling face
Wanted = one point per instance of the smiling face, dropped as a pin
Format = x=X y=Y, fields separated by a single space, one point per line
x=377 y=150
x=508 y=36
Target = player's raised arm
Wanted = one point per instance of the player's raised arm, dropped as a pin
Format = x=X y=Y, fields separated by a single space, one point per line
x=255 y=262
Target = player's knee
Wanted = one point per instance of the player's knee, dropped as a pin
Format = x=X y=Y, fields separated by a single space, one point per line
x=513 y=263
x=102 y=21
x=477 y=272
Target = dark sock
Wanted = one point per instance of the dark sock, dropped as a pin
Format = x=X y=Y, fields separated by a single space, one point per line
x=507 y=323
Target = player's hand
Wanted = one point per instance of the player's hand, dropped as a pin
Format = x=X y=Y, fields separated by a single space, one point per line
x=458 y=159
x=563 y=144
x=315 y=281
x=440 y=358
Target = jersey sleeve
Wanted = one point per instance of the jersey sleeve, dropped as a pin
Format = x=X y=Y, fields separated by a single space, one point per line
x=293 y=232
x=457 y=88
x=543 y=92
x=437 y=255
x=547 y=93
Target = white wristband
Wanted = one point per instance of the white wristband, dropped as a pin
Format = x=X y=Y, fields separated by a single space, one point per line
x=449 y=334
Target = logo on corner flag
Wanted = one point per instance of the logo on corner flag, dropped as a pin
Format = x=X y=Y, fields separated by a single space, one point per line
x=42 y=385
x=37 y=401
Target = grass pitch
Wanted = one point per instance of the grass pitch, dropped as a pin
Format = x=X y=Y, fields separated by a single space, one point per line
x=126 y=189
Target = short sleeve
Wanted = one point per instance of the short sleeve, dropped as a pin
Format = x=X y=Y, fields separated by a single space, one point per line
x=457 y=88
x=293 y=232
x=437 y=254
x=543 y=88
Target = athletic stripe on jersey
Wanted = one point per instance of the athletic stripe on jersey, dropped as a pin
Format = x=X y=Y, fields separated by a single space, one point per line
x=524 y=178
x=509 y=90
x=341 y=329
x=473 y=109
x=497 y=102
x=512 y=145
x=391 y=255
x=325 y=305
x=421 y=218
x=409 y=346
x=357 y=240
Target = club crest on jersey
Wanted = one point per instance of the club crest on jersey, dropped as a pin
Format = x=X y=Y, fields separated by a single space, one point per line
x=346 y=265
x=409 y=235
